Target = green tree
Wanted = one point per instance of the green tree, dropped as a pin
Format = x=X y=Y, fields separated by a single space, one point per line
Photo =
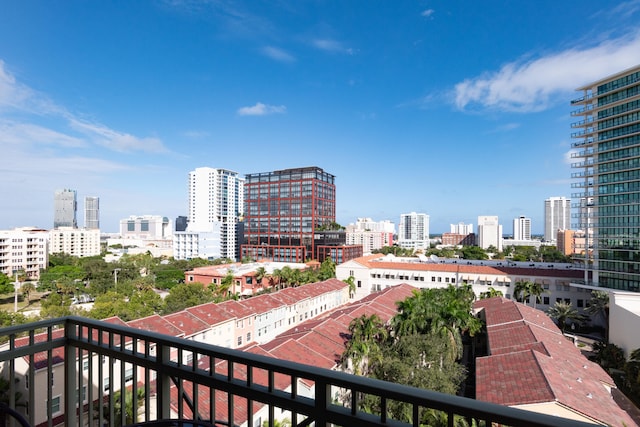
x=327 y=270
x=562 y=312
x=186 y=295
x=167 y=276
x=6 y=285
x=52 y=275
x=55 y=305
x=474 y=252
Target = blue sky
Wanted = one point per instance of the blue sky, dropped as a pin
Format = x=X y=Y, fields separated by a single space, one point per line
x=452 y=108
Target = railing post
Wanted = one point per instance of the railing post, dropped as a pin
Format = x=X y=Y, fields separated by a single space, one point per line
x=70 y=375
x=163 y=383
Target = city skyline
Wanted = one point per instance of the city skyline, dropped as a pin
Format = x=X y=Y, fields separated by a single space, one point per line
x=410 y=113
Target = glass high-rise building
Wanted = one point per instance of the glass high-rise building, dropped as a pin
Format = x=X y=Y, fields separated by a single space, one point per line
x=65 y=206
x=92 y=212
x=608 y=178
x=283 y=212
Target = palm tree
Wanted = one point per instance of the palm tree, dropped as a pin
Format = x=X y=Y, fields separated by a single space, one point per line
x=261 y=273
x=27 y=288
x=363 y=348
x=535 y=290
x=351 y=281
x=522 y=291
x=561 y=312
x=491 y=293
x=598 y=305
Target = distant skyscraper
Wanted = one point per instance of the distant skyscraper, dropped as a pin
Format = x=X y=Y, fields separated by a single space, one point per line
x=92 y=212
x=181 y=223
x=413 y=231
x=489 y=232
x=607 y=153
x=461 y=228
x=64 y=209
x=522 y=228
x=557 y=216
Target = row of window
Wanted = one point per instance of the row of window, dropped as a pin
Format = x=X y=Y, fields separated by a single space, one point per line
x=619 y=82
x=619 y=109
x=618 y=96
x=621 y=131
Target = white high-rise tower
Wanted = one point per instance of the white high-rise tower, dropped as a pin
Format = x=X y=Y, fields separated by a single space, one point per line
x=557 y=216
x=216 y=201
x=522 y=228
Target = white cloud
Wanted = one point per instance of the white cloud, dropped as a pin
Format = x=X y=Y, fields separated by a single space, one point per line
x=330 y=45
x=261 y=109
x=117 y=141
x=26 y=133
x=427 y=13
x=277 y=54
x=15 y=96
x=531 y=85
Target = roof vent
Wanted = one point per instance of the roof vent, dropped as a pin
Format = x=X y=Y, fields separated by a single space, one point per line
x=579 y=379
x=590 y=396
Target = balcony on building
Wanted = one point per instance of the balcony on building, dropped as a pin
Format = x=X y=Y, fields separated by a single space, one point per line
x=75 y=371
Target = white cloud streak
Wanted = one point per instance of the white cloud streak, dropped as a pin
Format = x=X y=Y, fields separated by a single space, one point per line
x=427 y=13
x=261 y=109
x=332 y=46
x=532 y=85
x=17 y=97
x=277 y=54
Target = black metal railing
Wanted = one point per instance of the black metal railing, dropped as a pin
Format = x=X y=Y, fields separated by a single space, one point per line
x=77 y=372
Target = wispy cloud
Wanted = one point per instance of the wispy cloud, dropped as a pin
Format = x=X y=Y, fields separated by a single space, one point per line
x=261 y=109
x=427 y=13
x=29 y=134
x=278 y=54
x=117 y=141
x=17 y=97
x=332 y=46
x=532 y=85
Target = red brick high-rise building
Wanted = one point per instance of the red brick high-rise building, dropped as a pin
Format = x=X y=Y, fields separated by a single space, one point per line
x=286 y=212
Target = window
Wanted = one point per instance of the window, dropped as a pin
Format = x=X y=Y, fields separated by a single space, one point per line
x=128 y=373
x=580 y=303
x=84 y=394
x=55 y=405
x=545 y=300
x=85 y=365
x=359 y=283
x=240 y=340
x=433 y=278
x=248 y=336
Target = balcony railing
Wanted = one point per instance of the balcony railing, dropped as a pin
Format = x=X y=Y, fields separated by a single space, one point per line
x=52 y=365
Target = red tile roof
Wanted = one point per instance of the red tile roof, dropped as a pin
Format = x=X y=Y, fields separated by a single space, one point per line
x=189 y=324
x=531 y=361
x=157 y=324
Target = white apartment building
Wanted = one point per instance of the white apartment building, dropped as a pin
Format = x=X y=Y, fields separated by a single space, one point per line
x=205 y=244
x=557 y=216
x=413 y=231
x=79 y=242
x=370 y=234
x=522 y=228
x=216 y=196
x=377 y=272
x=489 y=232
x=146 y=227
x=461 y=228
x=24 y=249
